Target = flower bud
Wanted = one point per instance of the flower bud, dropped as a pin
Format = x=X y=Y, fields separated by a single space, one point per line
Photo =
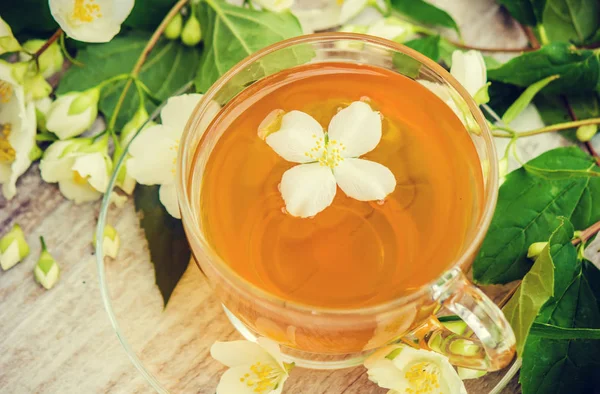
x=131 y=127
x=535 y=249
x=191 y=34
x=173 y=29
x=42 y=106
x=13 y=247
x=464 y=347
x=37 y=87
x=46 y=271
x=35 y=153
x=84 y=101
x=587 y=132
x=50 y=62
x=458 y=327
x=69 y=117
x=8 y=43
x=466 y=373
x=110 y=241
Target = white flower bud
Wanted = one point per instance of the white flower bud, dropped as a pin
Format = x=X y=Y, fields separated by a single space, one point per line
x=46 y=271
x=73 y=113
x=110 y=241
x=191 y=34
x=50 y=61
x=13 y=248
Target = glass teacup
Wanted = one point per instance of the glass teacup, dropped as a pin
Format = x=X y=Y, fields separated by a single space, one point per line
x=324 y=338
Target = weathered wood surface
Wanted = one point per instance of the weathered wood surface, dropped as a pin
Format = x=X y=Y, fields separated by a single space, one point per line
x=61 y=341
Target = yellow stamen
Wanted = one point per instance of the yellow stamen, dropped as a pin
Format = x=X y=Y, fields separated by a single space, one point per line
x=7 y=152
x=6 y=92
x=78 y=179
x=86 y=10
x=263 y=378
x=422 y=378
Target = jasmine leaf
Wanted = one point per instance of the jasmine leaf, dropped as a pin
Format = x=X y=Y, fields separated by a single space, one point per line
x=579 y=70
x=537 y=286
x=571 y=20
x=428 y=46
x=169 y=249
x=232 y=33
x=527 y=211
x=564 y=365
x=422 y=12
x=168 y=67
x=527 y=12
x=525 y=98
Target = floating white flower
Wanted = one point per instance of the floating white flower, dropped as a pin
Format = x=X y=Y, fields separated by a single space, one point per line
x=254 y=368
x=275 y=5
x=403 y=369
x=80 y=166
x=154 y=151
x=91 y=20
x=328 y=159
x=17 y=131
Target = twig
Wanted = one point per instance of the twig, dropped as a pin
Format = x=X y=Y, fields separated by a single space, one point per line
x=588 y=144
x=487 y=49
x=508 y=295
x=142 y=58
x=547 y=129
x=533 y=41
x=587 y=234
x=47 y=44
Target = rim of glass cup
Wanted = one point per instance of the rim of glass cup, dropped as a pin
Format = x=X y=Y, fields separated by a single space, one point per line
x=239 y=283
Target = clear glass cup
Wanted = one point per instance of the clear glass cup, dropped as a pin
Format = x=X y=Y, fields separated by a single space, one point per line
x=335 y=338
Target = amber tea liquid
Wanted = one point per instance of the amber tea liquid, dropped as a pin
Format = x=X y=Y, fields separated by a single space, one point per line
x=352 y=254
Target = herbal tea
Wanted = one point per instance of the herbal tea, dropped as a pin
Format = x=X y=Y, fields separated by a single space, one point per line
x=339 y=185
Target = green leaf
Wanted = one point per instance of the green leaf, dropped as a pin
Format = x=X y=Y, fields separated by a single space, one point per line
x=578 y=69
x=564 y=365
x=232 y=33
x=550 y=331
x=536 y=288
x=525 y=98
x=169 y=249
x=560 y=174
x=553 y=110
x=28 y=18
x=422 y=12
x=571 y=20
x=528 y=12
x=527 y=211
x=168 y=67
x=428 y=46
x=148 y=14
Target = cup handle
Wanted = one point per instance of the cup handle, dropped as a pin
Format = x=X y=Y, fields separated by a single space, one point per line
x=493 y=346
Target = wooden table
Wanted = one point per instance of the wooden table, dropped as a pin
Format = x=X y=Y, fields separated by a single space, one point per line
x=61 y=341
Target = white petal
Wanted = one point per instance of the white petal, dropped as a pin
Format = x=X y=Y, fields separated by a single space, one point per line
x=110 y=246
x=364 y=180
x=307 y=189
x=357 y=127
x=93 y=167
x=11 y=256
x=153 y=156
x=392 y=29
x=469 y=69
x=236 y=353
x=299 y=137
x=350 y=9
x=178 y=110
x=384 y=373
x=272 y=348
x=168 y=198
x=78 y=192
x=102 y=25
x=64 y=125
x=56 y=169
x=231 y=381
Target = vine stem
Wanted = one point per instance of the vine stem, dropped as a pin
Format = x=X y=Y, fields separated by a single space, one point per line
x=547 y=129
x=142 y=58
x=487 y=49
x=47 y=44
